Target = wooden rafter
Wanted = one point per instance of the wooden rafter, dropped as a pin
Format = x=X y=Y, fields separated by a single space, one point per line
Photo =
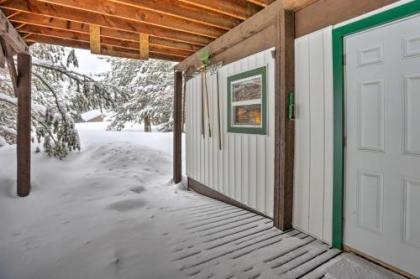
x=184 y=11
x=108 y=41
x=105 y=49
x=248 y=28
x=110 y=9
x=39 y=22
x=95 y=38
x=236 y=9
x=144 y=46
x=86 y=17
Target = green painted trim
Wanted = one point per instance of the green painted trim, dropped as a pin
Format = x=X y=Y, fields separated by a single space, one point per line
x=247 y=130
x=338 y=36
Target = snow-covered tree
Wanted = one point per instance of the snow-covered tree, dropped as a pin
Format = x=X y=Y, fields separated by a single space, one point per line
x=149 y=86
x=59 y=95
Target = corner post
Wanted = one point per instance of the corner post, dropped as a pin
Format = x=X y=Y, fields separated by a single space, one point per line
x=284 y=127
x=24 y=124
x=177 y=129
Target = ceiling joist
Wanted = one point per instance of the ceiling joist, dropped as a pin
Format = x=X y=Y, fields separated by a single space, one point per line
x=131 y=13
x=111 y=41
x=86 y=17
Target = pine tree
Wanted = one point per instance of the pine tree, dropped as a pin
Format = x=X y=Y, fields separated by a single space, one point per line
x=149 y=86
x=59 y=95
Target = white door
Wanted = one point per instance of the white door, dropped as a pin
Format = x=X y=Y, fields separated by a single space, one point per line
x=382 y=166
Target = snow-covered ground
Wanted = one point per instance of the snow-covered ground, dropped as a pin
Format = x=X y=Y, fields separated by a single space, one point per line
x=110 y=212
x=97 y=214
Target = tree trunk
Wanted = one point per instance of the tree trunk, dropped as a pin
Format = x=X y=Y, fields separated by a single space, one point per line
x=147 y=125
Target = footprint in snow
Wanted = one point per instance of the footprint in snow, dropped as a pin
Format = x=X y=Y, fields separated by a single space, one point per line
x=138 y=189
x=127 y=205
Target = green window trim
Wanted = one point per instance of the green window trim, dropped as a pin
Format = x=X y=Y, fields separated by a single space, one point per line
x=248 y=130
x=393 y=14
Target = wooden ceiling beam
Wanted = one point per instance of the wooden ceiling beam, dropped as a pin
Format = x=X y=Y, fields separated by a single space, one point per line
x=35 y=20
x=104 y=21
x=105 y=49
x=245 y=30
x=296 y=5
x=261 y=3
x=184 y=11
x=131 y=13
x=83 y=37
x=234 y=8
x=11 y=36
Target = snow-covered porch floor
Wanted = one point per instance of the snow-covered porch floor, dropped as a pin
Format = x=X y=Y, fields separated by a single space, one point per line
x=222 y=241
x=110 y=212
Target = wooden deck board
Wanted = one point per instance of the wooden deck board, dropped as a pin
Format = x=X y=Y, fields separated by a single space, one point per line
x=217 y=240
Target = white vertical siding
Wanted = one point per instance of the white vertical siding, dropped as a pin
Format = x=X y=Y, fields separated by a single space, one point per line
x=244 y=168
x=314 y=135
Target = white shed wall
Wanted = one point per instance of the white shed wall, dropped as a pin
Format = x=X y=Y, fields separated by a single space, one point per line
x=244 y=169
x=313 y=175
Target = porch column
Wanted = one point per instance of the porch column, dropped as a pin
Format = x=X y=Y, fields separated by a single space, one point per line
x=284 y=127
x=177 y=129
x=24 y=124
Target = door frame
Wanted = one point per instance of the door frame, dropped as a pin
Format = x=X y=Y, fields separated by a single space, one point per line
x=338 y=35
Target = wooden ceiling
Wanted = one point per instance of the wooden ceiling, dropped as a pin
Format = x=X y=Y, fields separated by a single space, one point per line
x=165 y=29
x=162 y=29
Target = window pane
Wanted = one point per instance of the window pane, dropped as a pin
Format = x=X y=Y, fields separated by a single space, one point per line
x=247 y=89
x=248 y=115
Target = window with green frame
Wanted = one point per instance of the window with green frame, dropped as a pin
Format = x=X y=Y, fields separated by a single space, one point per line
x=247 y=102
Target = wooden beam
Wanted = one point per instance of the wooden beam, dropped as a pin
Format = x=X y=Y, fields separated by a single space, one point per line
x=324 y=13
x=184 y=11
x=23 y=142
x=10 y=63
x=177 y=129
x=284 y=128
x=111 y=9
x=105 y=49
x=11 y=36
x=104 y=21
x=95 y=38
x=81 y=37
x=32 y=20
x=144 y=46
x=236 y=9
x=245 y=30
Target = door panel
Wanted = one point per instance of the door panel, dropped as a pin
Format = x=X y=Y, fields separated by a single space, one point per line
x=382 y=165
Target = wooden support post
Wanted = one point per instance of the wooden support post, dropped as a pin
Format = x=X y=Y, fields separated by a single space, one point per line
x=144 y=46
x=284 y=128
x=95 y=39
x=24 y=125
x=177 y=129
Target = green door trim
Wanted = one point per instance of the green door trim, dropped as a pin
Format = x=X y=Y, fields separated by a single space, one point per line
x=339 y=33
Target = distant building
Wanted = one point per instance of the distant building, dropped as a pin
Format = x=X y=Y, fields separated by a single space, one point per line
x=93 y=116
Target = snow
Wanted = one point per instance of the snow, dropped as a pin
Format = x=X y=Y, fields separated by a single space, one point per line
x=89 y=115
x=2 y=142
x=110 y=211
x=8 y=99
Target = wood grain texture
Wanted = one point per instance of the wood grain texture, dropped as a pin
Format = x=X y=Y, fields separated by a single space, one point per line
x=144 y=46
x=284 y=128
x=23 y=141
x=323 y=13
x=95 y=38
x=245 y=30
x=177 y=129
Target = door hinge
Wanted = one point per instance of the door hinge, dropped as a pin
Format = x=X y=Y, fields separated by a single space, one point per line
x=344 y=59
